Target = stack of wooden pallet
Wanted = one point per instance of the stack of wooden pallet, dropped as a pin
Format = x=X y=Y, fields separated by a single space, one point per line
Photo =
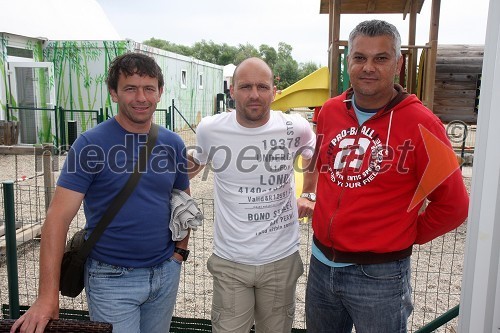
x=9 y=132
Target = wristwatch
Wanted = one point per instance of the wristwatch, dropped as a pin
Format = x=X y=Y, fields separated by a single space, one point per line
x=309 y=196
x=184 y=253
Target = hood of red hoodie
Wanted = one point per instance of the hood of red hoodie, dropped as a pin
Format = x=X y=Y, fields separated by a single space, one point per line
x=402 y=99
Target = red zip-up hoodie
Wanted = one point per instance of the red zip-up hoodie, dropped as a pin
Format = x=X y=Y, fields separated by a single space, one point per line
x=367 y=209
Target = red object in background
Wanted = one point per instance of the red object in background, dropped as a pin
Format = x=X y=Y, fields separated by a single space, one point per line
x=315 y=114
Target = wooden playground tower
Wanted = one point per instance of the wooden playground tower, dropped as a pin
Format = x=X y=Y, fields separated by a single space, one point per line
x=447 y=78
x=334 y=8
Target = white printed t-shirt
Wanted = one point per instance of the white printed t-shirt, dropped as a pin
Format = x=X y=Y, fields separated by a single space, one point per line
x=256 y=219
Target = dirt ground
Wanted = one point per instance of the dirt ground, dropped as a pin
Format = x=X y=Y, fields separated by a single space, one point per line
x=436 y=274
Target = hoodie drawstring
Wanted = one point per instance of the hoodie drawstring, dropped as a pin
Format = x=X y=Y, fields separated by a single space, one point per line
x=388 y=133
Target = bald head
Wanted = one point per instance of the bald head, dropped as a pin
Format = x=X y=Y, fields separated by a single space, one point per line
x=254 y=63
x=253 y=92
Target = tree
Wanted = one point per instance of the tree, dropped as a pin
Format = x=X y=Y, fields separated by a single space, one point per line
x=307 y=68
x=287 y=71
x=228 y=54
x=167 y=46
x=207 y=51
x=245 y=51
x=268 y=54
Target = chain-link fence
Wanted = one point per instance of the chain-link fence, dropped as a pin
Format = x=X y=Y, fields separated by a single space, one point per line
x=437 y=267
x=436 y=275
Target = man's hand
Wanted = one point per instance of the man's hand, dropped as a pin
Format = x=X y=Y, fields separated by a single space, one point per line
x=37 y=317
x=63 y=207
x=305 y=207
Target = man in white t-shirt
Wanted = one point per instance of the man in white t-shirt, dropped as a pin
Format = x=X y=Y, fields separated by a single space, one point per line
x=256 y=263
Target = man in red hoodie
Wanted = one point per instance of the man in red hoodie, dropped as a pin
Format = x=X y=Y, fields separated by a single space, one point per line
x=381 y=154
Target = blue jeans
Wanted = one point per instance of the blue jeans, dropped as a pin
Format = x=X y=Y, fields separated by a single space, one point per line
x=374 y=298
x=132 y=299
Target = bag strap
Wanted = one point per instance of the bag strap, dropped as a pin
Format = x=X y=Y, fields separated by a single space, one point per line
x=122 y=196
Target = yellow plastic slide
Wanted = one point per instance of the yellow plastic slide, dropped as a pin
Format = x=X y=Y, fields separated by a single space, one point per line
x=311 y=91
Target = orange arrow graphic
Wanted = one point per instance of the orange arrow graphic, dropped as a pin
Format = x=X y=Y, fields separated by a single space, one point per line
x=442 y=163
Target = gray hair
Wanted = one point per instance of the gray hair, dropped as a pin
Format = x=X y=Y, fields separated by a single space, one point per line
x=374 y=28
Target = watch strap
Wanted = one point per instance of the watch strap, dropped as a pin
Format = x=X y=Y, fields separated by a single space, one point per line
x=183 y=252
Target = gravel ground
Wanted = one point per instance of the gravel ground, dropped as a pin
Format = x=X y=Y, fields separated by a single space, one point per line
x=436 y=276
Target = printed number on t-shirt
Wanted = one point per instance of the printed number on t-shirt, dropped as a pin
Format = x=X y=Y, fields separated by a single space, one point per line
x=347 y=146
x=281 y=143
x=246 y=189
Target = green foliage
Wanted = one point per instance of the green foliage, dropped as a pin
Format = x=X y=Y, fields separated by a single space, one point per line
x=269 y=55
x=244 y=52
x=287 y=71
x=307 y=68
x=228 y=54
x=171 y=47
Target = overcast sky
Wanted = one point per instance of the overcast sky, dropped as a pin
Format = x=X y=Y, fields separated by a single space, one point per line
x=295 y=22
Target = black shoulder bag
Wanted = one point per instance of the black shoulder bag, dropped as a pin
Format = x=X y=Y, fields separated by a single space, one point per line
x=77 y=249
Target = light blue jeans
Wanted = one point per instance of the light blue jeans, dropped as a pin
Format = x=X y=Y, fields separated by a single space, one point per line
x=134 y=300
x=374 y=298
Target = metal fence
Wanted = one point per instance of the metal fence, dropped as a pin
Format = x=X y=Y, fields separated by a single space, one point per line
x=56 y=125
x=436 y=272
x=437 y=266
x=61 y=127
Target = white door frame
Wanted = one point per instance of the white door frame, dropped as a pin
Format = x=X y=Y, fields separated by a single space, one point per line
x=12 y=65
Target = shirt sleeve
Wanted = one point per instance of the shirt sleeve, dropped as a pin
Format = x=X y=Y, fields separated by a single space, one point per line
x=448 y=203
x=182 y=179
x=83 y=162
x=201 y=150
x=309 y=139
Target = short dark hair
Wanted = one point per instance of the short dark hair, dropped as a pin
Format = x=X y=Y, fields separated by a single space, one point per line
x=374 y=28
x=130 y=64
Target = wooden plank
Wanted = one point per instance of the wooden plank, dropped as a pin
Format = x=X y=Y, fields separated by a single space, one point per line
x=455 y=85
x=457 y=77
x=381 y=6
x=22 y=235
x=442 y=94
x=335 y=51
x=461 y=53
x=460 y=47
x=2 y=227
x=48 y=174
x=430 y=65
x=370 y=8
x=469 y=119
x=476 y=61
x=407 y=10
x=21 y=150
x=453 y=110
x=457 y=68
x=411 y=80
x=459 y=102
x=9 y=132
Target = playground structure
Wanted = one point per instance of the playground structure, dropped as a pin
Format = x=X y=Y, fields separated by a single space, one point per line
x=447 y=78
x=311 y=91
x=457 y=82
x=451 y=79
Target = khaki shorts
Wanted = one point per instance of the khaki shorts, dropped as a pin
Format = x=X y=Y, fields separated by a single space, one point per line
x=243 y=294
